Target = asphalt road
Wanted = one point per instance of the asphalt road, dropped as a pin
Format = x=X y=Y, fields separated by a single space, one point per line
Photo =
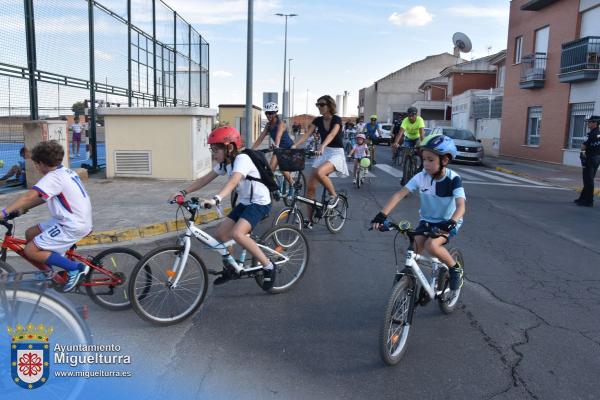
x=526 y=327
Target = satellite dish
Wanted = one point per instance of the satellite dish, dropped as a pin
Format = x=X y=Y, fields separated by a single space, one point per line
x=462 y=42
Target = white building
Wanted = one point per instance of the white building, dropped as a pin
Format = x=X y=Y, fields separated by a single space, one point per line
x=392 y=95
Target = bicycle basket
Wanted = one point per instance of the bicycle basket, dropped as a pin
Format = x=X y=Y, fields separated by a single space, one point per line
x=290 y=159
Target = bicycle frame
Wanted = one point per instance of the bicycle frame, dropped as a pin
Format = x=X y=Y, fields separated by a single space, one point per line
x=412 y=259
x=219 y=247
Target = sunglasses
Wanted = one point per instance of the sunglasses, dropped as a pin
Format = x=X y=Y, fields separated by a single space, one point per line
x=270 y=113
x=320 y=104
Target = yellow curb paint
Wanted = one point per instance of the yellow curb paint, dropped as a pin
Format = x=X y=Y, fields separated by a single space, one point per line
x=128 y=234
x=506 y=171
x=153 y=230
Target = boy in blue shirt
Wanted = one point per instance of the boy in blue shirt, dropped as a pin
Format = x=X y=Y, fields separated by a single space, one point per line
x=442 y=200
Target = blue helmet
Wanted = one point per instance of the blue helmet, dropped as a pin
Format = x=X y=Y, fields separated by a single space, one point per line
x=439 y=144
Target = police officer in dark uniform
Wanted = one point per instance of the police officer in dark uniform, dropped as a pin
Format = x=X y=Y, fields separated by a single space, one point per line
x=590 y=160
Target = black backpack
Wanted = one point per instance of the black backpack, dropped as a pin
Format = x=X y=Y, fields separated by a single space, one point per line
x=267 y=177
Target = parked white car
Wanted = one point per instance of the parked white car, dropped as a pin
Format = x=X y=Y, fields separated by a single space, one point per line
x=386 y=134
x=469 y=148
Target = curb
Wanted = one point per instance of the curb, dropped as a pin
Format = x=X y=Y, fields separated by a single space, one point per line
x=511 y=172
x=145 y=231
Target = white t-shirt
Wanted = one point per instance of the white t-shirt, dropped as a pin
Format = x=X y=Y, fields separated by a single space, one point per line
x=76 y=127
x=246 y=189
x=67 y=199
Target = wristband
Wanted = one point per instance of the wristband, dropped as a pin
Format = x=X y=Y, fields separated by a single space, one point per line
x=217 y=199
x=4 y=212
x=183 y=192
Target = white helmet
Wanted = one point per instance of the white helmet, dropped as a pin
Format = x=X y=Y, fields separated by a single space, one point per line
x=271 y=107
x=361 y=136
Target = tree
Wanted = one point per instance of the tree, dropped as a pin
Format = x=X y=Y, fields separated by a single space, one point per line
x=78 y=108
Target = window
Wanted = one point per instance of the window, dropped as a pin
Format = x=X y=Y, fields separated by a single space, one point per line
x=577 y=126
x=534 y=124
x=501 y=76
x=518 y=49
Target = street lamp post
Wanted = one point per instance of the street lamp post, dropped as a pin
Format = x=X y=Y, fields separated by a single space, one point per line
x=248 y=120
x=284 y=110
x=293 y=94
x=289 y=96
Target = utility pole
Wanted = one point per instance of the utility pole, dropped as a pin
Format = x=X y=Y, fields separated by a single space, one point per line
x=249 y=57
x=284 y=112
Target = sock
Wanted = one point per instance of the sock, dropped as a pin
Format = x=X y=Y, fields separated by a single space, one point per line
x=268 y=266
x=457 y=265
x=57 y=260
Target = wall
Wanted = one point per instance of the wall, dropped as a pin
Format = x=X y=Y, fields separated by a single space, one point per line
x=438 y=93
x=488 y=131
x=234 y=116
x=466 y=81
x=562 y=17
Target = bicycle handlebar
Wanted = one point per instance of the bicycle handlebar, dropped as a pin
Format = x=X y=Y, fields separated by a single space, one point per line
x=405 y=229
x=194 y=203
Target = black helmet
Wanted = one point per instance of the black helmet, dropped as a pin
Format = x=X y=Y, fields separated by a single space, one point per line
x=411 y=111
x=593 y=118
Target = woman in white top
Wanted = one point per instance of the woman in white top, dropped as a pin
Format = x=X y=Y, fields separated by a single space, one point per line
x=331 y=152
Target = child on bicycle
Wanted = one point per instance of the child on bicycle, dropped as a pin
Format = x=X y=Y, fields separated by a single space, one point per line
x=70 y=209
x=254 y=198
x=360 y=150
x=442 y=200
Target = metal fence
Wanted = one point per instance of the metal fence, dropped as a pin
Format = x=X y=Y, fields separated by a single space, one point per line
x=121 y=53
x=486 y=108
x=580 y=54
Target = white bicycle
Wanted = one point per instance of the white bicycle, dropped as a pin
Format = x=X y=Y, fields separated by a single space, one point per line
x=412 y=288
x=170 y=282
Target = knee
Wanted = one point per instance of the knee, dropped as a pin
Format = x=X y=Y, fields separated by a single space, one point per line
x=31 y=251
x=30 y=233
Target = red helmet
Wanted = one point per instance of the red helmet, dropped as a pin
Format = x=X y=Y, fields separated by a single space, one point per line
x=225 y=135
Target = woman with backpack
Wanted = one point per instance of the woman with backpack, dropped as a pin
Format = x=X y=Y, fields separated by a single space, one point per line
x=254 y=197
x=331 y=156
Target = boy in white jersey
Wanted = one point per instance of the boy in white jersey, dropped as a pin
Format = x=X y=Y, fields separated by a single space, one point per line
x=442 y=200
x=70 y=209
x=254 y=198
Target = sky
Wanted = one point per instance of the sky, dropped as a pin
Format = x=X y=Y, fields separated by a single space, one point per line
x=336 y=45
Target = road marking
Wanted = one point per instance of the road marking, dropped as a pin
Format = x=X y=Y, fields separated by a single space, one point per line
x=489 y=176
x=520 y=185
x=518 y=178
x=464 y=174
x=390 y=170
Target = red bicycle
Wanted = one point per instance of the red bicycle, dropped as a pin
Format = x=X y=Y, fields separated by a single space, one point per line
x=107 y=281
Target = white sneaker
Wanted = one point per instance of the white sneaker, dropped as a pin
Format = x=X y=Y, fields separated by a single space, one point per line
x=354 y=181
x=333 y=202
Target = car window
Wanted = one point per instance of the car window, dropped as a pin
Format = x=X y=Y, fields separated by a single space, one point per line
x=460 y=134
x=386 y=127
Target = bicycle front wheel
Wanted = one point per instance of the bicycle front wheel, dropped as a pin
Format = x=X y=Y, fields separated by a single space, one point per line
x=359 y=177
x=152 y=290
x=396 y=324
x=408 y=169
x=6 y=268
x=289 y=216
x=120 y=262
x=299 y=186
x=448 y=299
x=290 y=260
x=336 y=217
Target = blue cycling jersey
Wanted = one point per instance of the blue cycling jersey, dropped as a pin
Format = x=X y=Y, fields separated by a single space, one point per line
x=372 y=130
x=286 y=141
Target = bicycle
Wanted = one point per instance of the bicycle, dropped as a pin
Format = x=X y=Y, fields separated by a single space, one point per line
x=410 y=163
x=362 y=171
x=179 y=277
x=334 y=217
x=26 y=303
x=350 y=143
x=412 y=288
x=108 y=269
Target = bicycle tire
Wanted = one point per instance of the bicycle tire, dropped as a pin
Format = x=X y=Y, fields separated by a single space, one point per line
x=122 y=297
x=393 y=341
x=339 y=212
x=142 y=302
x=293 y=252
x=28 y=300
x=448 y=300
x=6 y=267
x=358 y=177
x=302 y=191
x=289 y=216
x=408 y=169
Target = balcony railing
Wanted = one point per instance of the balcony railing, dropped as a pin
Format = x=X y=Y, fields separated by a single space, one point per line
x=579 y=60
x=533 y=72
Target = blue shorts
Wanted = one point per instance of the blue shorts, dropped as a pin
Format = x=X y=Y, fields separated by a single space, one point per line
x=253 y=213
x=424 y=226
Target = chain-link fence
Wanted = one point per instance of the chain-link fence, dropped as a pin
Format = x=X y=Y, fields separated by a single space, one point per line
x=62 y=58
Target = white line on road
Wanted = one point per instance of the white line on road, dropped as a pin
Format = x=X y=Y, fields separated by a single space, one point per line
x=490 y=176
x=465 y=175
x=517 y=178
x=390 y=170
x=515 y=185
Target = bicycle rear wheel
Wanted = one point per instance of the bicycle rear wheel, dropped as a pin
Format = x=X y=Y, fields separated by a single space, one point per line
x=289 y=216
x=396 y=324
x=290 y=260
x=359 y=177
x=336 y=217
x=151 y=290
x=408 y=169
x=448 y=299
x=120 y=261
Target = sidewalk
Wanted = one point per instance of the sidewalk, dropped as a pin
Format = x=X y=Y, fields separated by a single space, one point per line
x=554 y=174
x=126 y=209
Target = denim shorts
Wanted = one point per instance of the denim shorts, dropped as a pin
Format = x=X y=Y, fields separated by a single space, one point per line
x=253 y=213
x=424 y=226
